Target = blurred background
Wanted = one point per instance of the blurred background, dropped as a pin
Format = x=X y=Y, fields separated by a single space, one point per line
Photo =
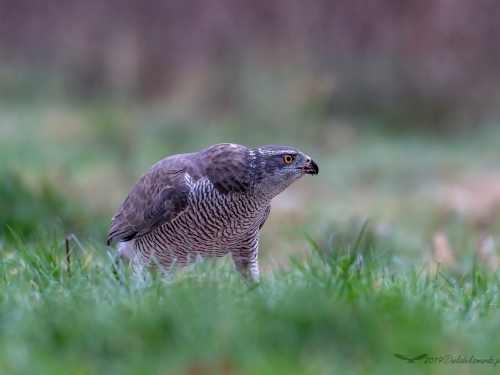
x=397 y=101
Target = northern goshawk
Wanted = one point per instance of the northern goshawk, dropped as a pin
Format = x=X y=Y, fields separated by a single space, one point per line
x=205 y=204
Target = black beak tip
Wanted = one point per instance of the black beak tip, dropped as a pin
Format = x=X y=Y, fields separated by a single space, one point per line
x=312 y=168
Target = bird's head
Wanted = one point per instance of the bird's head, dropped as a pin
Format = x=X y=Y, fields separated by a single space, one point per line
x=277 y=167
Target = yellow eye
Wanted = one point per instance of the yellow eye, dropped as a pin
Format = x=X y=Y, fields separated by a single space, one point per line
x=288 y=159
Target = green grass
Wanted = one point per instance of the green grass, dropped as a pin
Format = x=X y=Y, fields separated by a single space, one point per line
x=346 y=308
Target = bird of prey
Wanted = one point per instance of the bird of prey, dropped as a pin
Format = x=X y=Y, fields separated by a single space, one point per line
x=204 y=205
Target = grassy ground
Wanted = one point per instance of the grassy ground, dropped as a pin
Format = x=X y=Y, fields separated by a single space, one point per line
x=347 y=308
x=422 y=278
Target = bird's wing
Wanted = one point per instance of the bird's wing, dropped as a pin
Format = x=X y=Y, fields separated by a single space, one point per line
x=226 y=166
x=159 y=196
x=401 y=356
x=162 y=193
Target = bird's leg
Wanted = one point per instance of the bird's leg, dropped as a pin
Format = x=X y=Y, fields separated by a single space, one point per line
x=138 y=265
x=247 y=266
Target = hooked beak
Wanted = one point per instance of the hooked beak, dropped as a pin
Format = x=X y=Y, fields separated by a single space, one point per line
x=311 y=167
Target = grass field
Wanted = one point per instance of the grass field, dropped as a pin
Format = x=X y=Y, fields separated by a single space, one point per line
x=345 y=309
x=339 y=293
